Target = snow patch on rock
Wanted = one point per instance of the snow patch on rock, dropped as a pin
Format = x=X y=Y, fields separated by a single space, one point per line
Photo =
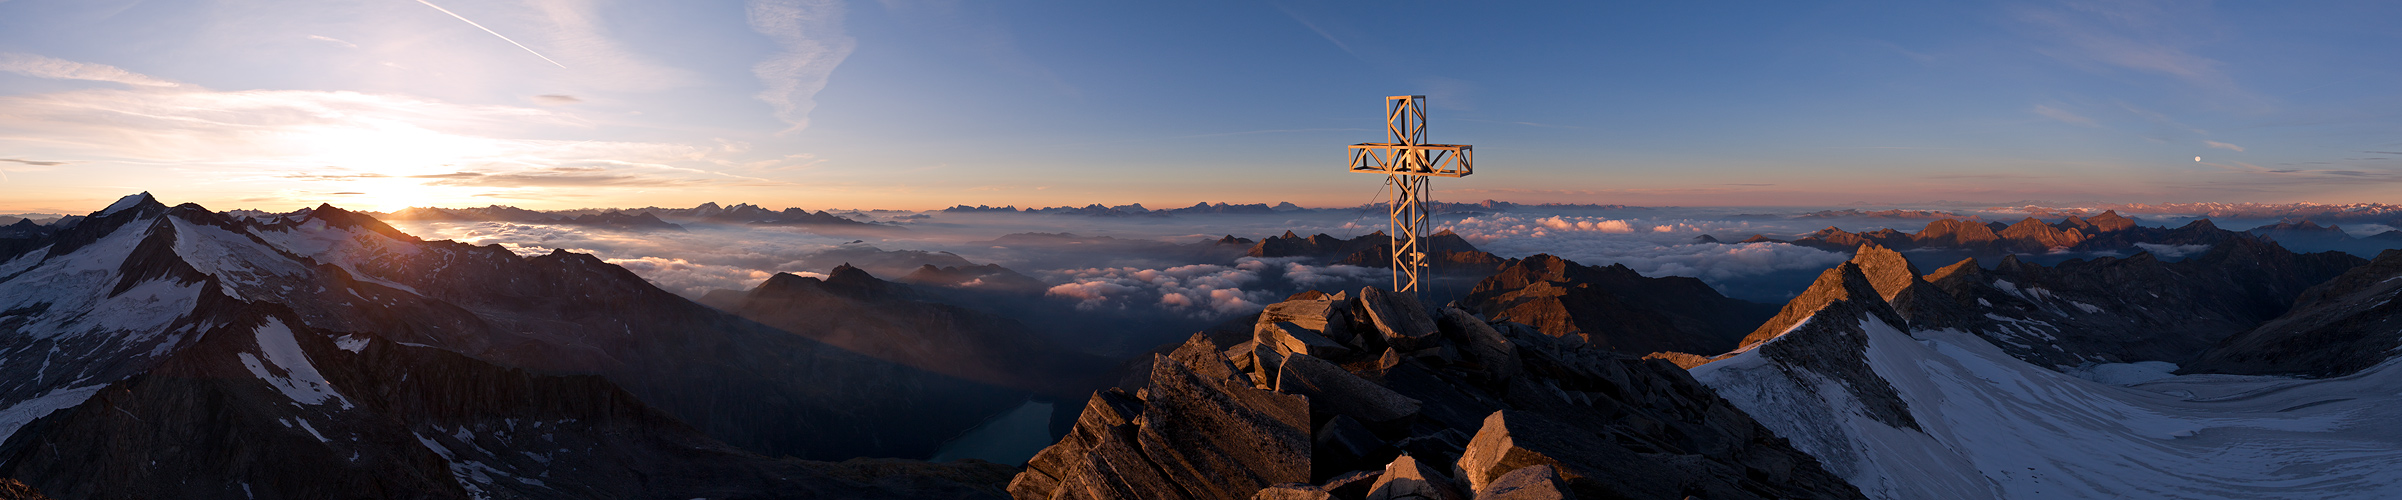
x=17 y=415
x=300 y=380
x=352 y=343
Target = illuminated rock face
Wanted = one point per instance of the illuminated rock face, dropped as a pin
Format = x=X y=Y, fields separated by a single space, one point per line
x=298 y=350
x=1395 y=410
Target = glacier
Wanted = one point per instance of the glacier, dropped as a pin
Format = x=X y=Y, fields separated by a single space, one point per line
x=1994 y=426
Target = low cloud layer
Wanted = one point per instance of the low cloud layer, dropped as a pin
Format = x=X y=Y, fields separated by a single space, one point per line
x=1169 y=266
x=1204 y=290
x=691 y=263
x=1652 y=246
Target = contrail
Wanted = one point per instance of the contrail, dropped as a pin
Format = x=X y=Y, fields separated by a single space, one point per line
x=528 y=50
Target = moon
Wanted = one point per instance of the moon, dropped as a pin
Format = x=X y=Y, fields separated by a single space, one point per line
x=2197 y=158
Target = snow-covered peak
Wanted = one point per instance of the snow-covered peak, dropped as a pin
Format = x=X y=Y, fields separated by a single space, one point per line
x=129 y=201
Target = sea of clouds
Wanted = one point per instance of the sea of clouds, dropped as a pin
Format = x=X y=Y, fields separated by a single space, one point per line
x=1142 y=267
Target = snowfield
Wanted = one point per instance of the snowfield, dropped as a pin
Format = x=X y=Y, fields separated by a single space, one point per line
x=1998 y=427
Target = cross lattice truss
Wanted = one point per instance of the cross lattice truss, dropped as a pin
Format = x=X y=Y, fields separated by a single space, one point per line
x=1409 y=161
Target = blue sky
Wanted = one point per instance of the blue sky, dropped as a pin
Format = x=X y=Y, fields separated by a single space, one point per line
x=920 y=104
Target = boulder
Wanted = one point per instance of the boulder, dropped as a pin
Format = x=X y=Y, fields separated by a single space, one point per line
x=1332 y=391
x=1481 y=346
x=1324 y=316
x=1398 y=318
x=1406 y=479
x=1511 y=440
x=1537 y=482
x=1202 y=357
x=1288 y=338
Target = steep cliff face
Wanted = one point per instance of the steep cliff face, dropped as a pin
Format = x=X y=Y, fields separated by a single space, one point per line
x=2140 y=308
x=1615 y=308
x=2337 y=328
x=1374 y=396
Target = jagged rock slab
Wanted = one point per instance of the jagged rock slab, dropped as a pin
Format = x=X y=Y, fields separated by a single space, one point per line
x=1537 y=482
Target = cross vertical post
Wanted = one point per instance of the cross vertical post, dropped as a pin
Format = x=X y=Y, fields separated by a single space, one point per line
x=1409 y=161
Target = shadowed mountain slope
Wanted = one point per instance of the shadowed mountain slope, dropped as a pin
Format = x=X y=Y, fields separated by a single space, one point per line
x=2337 y=328
x=1614 y=307
x=894 y=322
x=104 y=299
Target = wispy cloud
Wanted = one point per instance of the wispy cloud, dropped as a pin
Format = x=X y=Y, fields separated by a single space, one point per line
x=556 y=99
x=338 y=41
x=45 y=67
x=2314 y=177
x=2142 y=36
x=389 y=145
x=2064 y=116
x=1313 y=27
x=32 y=162
x=810 y=32
x=2225 y=146
x=505 y=38
x=578 y=32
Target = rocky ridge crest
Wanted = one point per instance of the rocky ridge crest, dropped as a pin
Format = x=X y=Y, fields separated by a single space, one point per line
x=1375 y=396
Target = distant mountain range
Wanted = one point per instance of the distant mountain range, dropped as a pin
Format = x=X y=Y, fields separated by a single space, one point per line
x=2107 y=233
x=2379 y=213
x=638 y=219
x=163 y=352
x=1137 y=209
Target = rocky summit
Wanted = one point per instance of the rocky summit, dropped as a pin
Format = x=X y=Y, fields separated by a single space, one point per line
x=1374 y=395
